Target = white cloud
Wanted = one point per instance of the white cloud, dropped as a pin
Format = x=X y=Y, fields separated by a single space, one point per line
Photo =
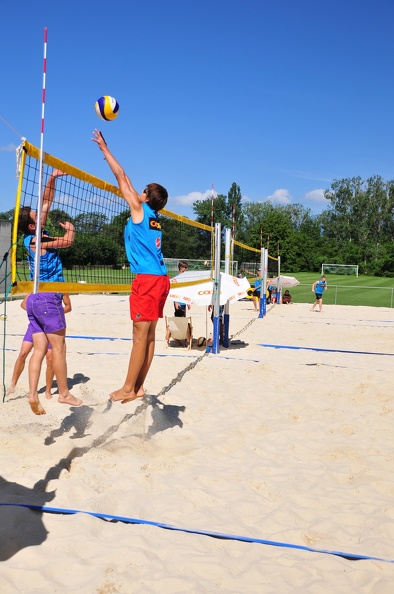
x=189 y=199
x=281 y=196
x=8 y=149
x=316 y=196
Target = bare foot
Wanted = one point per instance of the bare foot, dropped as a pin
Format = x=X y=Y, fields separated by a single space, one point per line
x=36 y=407
x=48 y=395
x=10 y=389
x=140 y=394
x=123 y=396
x=70 y=400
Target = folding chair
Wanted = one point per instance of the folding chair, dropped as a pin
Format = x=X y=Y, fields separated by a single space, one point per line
x=180 y=330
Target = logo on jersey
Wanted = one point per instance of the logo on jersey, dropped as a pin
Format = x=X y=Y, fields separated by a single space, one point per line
x=154 y=224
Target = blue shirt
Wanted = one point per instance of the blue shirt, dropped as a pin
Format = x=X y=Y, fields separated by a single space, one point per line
x=51 y=268
x=319 y=287
x=143 y=244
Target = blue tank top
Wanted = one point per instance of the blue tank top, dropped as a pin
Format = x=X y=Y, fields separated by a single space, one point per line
x=51 y=268
x=320 y=286
x=143 y=244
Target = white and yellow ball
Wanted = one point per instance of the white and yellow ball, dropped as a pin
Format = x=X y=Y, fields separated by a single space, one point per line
x=107 y=108
x=201 y=341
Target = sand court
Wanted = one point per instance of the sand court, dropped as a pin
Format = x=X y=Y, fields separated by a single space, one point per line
x=283 y=440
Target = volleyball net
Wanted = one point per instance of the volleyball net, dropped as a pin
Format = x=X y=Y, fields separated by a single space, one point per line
x=96 y=262
x=248 y=261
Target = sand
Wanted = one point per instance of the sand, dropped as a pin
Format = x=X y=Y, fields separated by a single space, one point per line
x=287 y=452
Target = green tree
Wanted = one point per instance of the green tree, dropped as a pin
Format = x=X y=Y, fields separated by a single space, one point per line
x=359 y=223
x=184 y=241
x=90 y=223
x=7 y=216
x=203 y=210
x=235 y=212
x=55 y=217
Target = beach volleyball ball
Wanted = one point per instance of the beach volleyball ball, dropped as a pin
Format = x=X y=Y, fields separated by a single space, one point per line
x=107 y=108
x=201 y=341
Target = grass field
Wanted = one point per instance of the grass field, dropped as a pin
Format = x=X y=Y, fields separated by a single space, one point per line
x=346 y=289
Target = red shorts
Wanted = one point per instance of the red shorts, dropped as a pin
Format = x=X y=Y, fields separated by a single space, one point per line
x=148 y=296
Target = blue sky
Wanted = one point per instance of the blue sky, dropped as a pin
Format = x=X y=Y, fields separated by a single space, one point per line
x=280 y=97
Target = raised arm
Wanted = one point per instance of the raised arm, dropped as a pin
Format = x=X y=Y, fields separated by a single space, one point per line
x=60 y=242
x=129 y=193
x=49 y=194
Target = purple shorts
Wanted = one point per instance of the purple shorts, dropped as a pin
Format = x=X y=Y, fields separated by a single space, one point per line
x=28 y=337
x=45 y=312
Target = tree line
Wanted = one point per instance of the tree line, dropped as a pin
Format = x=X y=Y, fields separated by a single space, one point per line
x=357 y=227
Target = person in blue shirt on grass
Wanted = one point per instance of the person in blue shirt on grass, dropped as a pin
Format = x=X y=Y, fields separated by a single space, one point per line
x=318 y=288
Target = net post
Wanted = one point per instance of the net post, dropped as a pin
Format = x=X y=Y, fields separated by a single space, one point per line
x=226 y=316
x=216 y=291
x=279 y=285
x=263 y=276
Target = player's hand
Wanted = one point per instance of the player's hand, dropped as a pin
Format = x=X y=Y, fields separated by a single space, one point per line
x=57 y=173
x=99 y=139
x=67 y=226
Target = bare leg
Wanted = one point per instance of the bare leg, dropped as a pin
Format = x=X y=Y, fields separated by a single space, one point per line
x=19 y=365
x=256 y=303
x=140 y=360
x=149 y=353
x=49 y=375
x=168 y=335
x=58 y=343
x=40 y=343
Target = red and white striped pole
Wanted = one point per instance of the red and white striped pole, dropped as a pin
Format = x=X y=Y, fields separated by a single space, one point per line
x=40 y=176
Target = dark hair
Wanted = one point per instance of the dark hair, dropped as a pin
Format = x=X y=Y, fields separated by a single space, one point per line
x=183 y=264
x=157 y=196
x=24 y=219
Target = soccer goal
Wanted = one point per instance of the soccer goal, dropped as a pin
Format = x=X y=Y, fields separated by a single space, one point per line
x=339 y=269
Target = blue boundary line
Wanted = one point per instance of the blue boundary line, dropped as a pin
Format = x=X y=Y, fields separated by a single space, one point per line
x=219 y=535
x=301 y=348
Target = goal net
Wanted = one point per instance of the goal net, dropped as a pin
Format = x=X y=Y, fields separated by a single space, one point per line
x=339 y=269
